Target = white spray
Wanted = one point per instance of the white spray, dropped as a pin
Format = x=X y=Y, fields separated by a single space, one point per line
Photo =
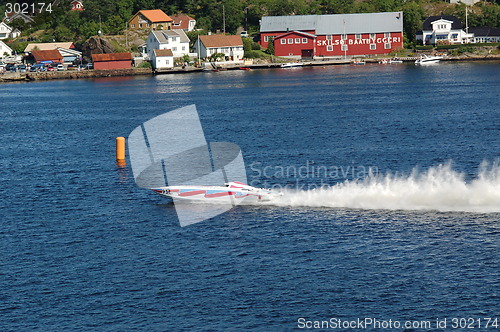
x=439 y=188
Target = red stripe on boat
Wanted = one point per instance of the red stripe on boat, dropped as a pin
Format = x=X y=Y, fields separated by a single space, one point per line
x=221 y=194
x=192 y=193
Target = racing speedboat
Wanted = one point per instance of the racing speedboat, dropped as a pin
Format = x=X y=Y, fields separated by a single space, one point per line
x=232 y=192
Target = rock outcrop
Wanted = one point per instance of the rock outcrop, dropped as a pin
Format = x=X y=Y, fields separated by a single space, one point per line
x=96 y=45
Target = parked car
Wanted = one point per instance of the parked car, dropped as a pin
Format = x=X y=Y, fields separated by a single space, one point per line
x=10 y=67
x=81 y=67
x=50 y=68
x=60 y=67
x=89 y=66
x=244 y=34
x=38 y=67
x=21 y=68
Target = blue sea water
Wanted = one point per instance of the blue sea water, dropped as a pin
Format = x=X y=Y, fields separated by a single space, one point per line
x=84 y=248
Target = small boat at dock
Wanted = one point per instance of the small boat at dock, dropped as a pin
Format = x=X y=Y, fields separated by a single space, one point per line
x=427 y=60
x=291 y=65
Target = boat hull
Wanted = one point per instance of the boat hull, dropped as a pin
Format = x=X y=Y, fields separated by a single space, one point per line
x=215 y=195
x=426 y=60
x=291 y=65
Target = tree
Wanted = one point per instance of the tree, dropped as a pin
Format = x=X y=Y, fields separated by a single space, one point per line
x=337 y=6
x=62 y=33
x=413 y=17
x=247 y=45
x=287 y=7
x=270 y=46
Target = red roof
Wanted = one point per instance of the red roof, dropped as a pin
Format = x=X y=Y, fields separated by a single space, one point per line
x=112 y=57
x=181 y=21
x=221 y=40
x=47 y=55
x=155 y=15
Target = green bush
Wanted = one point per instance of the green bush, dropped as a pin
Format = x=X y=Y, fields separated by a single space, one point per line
x=255 y=46
x=253 y=54
x=145 y=64
x=465 y=49
x=424 y=48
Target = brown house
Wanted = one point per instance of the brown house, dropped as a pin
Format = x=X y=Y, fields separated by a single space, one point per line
x=154 y=19
x=47 y=56
x=112 y=61
x=184 y=22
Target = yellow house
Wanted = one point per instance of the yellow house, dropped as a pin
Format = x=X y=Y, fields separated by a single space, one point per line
x=154 y=19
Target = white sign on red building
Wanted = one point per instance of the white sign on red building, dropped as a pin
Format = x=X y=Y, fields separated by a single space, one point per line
x=333 y=35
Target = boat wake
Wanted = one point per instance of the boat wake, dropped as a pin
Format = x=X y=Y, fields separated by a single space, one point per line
x=439 y=188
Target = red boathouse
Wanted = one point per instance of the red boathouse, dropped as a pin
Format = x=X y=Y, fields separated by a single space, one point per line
x=309 y=36
x=112 y=61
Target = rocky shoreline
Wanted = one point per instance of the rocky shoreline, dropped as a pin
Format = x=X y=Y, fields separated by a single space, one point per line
x=73 y=74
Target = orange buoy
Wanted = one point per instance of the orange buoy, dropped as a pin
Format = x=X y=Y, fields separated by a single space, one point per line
x=120 y=148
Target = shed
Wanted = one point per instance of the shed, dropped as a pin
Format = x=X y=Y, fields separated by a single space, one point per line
x=112 y=61
x=163 y=59
x=47 y=56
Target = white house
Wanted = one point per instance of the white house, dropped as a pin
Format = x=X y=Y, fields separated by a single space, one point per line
x=12 y=16
x=8 y=32
x=486 y=34
x=162 y=59
x=230 y=45
x=4 y=49
x=445 y=29
x=175 y=40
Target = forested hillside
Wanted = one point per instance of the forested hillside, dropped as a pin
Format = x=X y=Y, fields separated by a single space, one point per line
x=111 y=15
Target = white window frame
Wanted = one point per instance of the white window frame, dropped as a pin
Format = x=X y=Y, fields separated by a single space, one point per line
x=358 y=36
x=304 y=40
x=297 y=40
x=373 y=47
x=387 y=34
x=329 y=48
x=387 y=46
x=345 y=47
x=329 y=37
x=266 y=39
x=343 y=36
x=290 y=40
x=373 y=35
x=283 y=41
